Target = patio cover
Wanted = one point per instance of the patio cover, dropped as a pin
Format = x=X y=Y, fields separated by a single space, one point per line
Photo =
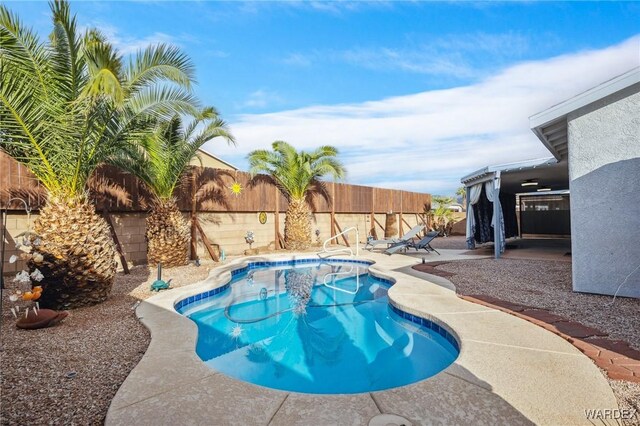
x=507 y=179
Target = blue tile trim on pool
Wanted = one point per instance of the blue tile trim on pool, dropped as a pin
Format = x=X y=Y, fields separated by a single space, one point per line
x=428 y=324
x=424 y=322
x=265 y=264
x=200 y=297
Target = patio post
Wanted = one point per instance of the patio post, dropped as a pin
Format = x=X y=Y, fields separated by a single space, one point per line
x=497 y=209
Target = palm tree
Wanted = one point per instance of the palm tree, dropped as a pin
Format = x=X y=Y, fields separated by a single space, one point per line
x=441 y=215
x=161 y=161
x=297 y=175
x=67 y=106
x=462 y=192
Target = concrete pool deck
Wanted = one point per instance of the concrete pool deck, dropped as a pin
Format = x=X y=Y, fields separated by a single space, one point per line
x=509 y=371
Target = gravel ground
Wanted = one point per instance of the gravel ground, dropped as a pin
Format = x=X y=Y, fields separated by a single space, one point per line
x=547 y=284
x=454 y=242
x=97 y=345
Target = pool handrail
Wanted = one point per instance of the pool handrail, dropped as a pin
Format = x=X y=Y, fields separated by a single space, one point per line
x=335 y=274
x=346 y=249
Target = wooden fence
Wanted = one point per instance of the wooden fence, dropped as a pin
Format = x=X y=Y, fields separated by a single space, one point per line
x=209 y=191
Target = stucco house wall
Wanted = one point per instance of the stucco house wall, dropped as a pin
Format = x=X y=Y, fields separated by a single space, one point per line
x=604 y=175
x=207 y=160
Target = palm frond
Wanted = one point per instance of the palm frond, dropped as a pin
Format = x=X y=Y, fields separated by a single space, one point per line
x=104 y=68
x=168 y=152
x=296 y=174
x=159 y=63
x=66 y=59
x=67 y=105
x=21 y=47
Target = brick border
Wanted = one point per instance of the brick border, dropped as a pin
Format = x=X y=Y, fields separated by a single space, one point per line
x=616 y=357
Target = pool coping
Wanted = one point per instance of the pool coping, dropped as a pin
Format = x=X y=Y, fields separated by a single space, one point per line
x=507 y=368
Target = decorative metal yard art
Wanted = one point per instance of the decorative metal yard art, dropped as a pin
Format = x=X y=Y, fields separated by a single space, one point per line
x=5 y=213
x=159 y=284
x=25 y=306
x=249 y=238
x=262 y=217
x=236 y=187
x=27 y=243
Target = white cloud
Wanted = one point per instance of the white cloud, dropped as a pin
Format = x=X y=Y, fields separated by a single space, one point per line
x=336 y=7
x=261 y=99
x=127 y=44
x=458 y=55
x=427 y=141
x=215 y=53
x=297 y=59
x=461 y=56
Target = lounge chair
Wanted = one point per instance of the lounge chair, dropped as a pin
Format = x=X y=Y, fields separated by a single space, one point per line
x=406 y=237
x=424 y=243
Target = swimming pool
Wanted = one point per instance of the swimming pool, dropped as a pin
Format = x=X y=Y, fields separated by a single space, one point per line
x=315 y=326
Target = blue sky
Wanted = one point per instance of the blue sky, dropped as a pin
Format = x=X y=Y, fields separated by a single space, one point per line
x=415 y=94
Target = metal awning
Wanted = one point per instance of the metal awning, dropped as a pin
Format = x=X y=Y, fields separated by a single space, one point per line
x=548 y=172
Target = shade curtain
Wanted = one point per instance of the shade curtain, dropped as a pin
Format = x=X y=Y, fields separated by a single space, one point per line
x=474 y=196
x=489 y=191
x=508 y=203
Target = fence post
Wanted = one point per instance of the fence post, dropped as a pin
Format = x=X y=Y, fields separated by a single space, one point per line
x=401 y=231
x=372 y=231
x=333 y=209
x=276 y=219
x=194 y=235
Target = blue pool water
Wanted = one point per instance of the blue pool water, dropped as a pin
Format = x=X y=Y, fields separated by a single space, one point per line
x=285 y=328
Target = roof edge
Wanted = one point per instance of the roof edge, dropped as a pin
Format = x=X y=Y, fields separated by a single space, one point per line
x=609 y=87
x=218 y=158
x=526 y=164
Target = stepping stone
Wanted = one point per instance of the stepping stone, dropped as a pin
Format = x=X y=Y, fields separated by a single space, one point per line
x=484 y=299
x=586 y=348
x=619 y=346
x=575 y=329
x=515 y=307
x=544 y=316
x=436 y=263
x=429 y=269
x=620 y=373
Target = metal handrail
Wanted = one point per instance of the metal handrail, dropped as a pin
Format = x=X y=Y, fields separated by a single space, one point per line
x=346 y=249
x=335 y=274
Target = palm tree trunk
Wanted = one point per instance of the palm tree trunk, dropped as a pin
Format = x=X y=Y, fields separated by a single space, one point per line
x=168 y=235
x=297 y=226
x=79 y=255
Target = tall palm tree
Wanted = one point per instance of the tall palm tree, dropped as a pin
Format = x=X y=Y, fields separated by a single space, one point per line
x=462 y=192
x=297 y=174
x=68 y=105
x=161 y=161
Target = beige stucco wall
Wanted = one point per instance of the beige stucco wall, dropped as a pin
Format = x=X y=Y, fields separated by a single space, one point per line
x=227 y=230
x=210 y=161
x=130 y=228
x=16 y=224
